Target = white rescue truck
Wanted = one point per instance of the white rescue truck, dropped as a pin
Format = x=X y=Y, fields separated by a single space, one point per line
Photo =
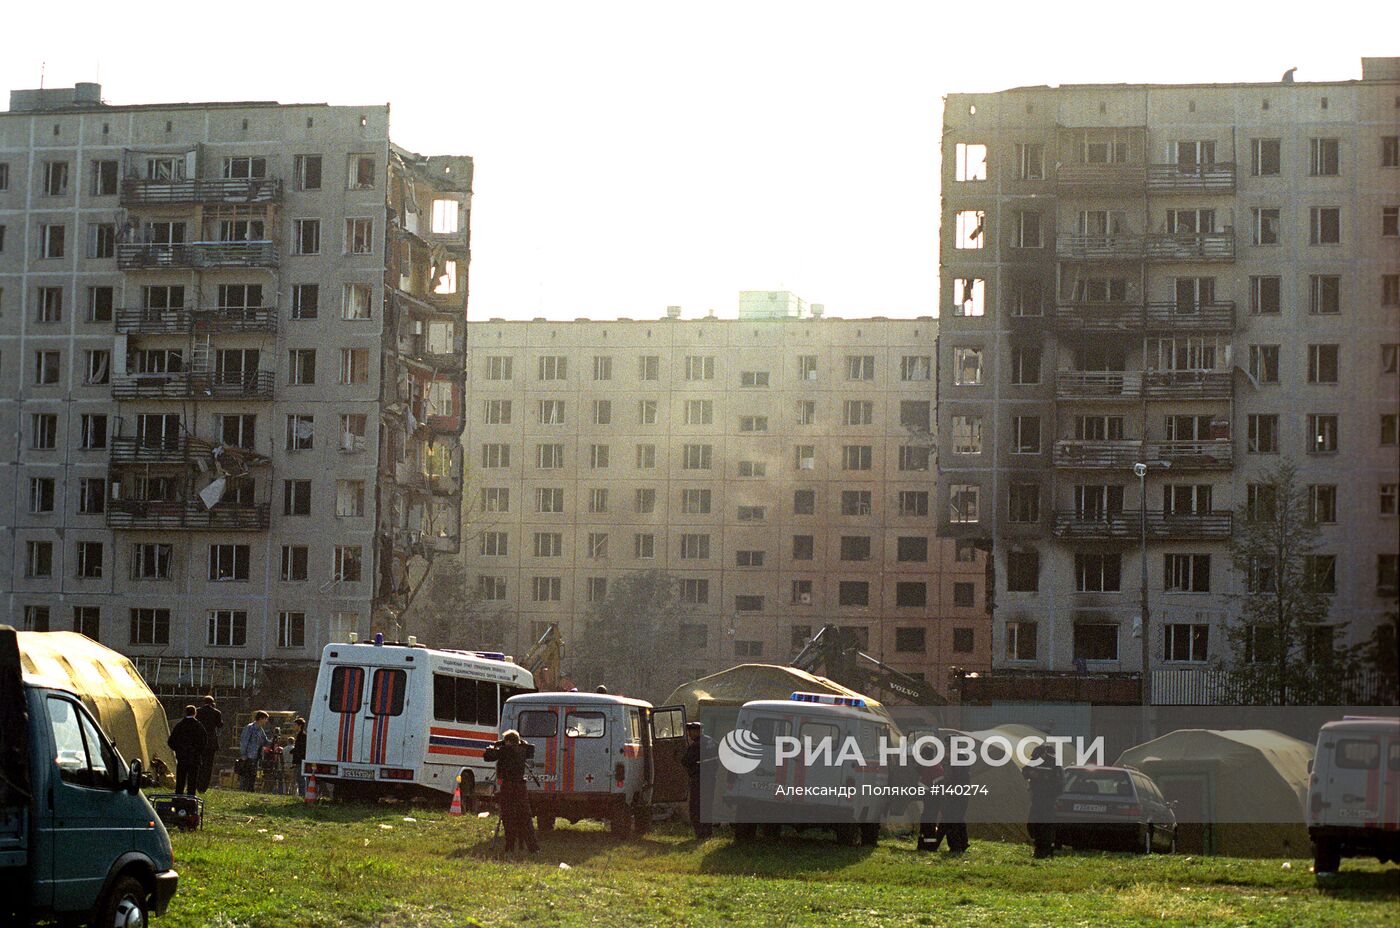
x=598 y=756
x=847 y=796
x=1354 y=792
x=402 y=719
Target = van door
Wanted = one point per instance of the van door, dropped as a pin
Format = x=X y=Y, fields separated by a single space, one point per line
x=670 y=779
x=79 y=831
x=1353 y=784
x=539 y=726
x=346 y=699
x=586 y=754
x=385 y=729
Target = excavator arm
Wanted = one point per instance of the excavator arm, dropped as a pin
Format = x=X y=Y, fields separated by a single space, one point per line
x=834 y=652
x=544 y=659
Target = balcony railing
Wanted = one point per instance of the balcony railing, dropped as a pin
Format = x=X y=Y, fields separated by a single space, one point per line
x=137 y=321
x=1191 y=178
x=1098 y=317
x=256 y=385
x=1211 y=317
x=1127 y=525
x=186 y=516
x=1130 y=318
x=139 y=192
x=150 y=451
x=1125 y=385
x=1100 y=247
x=1159 y=246
x=1122 y=454
x=197 y=255
x=1094 y=178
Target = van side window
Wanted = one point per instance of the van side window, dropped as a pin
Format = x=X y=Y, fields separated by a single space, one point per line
x=634 y=725
x=584 y=725
x=1393 y=762
x=387 y=694
x=461 y=699
x=1356 y=754
x=78 y=750
x=817 y=732
x=347 y=688
x=538 y=724
x=668 y=723
x=768 y=730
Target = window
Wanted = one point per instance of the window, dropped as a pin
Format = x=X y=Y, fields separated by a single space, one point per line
x=699 y=412
x=967 y=434
x=294 y=563
x=548 y=544
x=695 y=592
x=38 y=561
x=354 y=365
x=857 y=412
x=649 y=367
x=1390 y=151
x=1390 y=430
x=228 y=628
x=913 y=502
x=748 y=558
x=43 y=430
x=1322 y=434
x=699 y=367
x=857 y=457
x=1324 y=157
x=1027 y=231
x=553 y=367
x=1186 y=573
x=914 y=457
x=306 y=236
x=307 y=171
x=911 y=594
x=301 y=367
x=1020 y=641
x=753 y=423
x=102 y=242
x=1322 y=363
x=1321 y=572
x=497 y=412
x=92 y=496
x=803 y=547
x=969 y=229
x=644 y=545
x=1024 y=503
x=1265 y=296
x=296 y=497
x=806 y=367
x=87 y=620
x=911 y=549
x=549 y=499
x=1389 y=498
x=1265 y=227
x=291 y=629
x=1387 y=574
x=498 y=367
x=100 y=301
x=646 y=412
x=910 y=640
x=1024 y=298
x=1390 y=359
x=357 y=301
x=963 y=503
x=1390 y=221
x=46 y=368
x=1263 y=433
x=597 y=500
x=916 y=415
x=94 y=431
x=646 y=457
x=1095 y=641
x=696 y=457
x=602 y=412
x=50 y=305
x=1325 y=225
x=806 y=412
x=970 y=161
x=805 y=457
x=361 y=172
x=645 y=500
x=1025 y=434
x=1025 y=366
x=1030 y=161
x=1097 y=572
x=802 y=592
x=967 y=366
x=598 y=456
x=228 y=562
x=855 y=502
x=915 y=368
x=694 y=636
x=495 y=544
x=1264 y=157
x=860 y=367
x=853 y=593
x=347 y=563
x=695 y=502
x=695 y=547
x=349 y=498
x=804 y=502
x=1187 y=642
x=150 y=626
x=751 y=514
x=90 y=560
x=753 y=379
x=855 y=547
x=964 y=595
x=55 y=178
x=1263 y=363
x=595 y=590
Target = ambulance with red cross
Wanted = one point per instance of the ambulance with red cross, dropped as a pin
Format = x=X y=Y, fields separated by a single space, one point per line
x=1354 y=792
x=392 y=718
x=600 y=756
x=825 y=790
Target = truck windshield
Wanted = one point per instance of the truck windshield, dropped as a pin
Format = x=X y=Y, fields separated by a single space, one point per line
x=79 y=751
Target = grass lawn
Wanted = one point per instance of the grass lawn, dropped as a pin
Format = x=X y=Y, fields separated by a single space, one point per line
x=272 y=861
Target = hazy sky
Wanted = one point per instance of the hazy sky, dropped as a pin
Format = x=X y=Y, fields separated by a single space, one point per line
x=630 y=156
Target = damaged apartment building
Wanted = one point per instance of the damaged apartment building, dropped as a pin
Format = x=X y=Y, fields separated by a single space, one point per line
x=231 y=363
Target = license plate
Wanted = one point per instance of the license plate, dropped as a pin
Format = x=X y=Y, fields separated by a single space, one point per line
x=1090 y=807
x=356 y=773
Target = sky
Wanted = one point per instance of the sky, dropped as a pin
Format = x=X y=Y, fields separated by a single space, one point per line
x=632 y=156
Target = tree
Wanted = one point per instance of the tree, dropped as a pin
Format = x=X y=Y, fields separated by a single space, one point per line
x=1283 y=653
x=631 y=637
x=451 y=613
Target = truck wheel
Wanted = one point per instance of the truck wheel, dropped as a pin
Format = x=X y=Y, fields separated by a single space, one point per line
x=745 y=831
x=124 y=906
x=869 y=834
x=848 y=835
x=1327 y=857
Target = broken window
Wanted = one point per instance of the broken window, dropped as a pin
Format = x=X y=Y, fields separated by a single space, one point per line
x=967 y=366
x=446 y=278
x=445 y=219
x=971 y=162
x=361 y=172
x=970 y=228
x=969 y=296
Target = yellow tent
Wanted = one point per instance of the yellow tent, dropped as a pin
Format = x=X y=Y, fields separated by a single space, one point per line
x=108 y=685
x=739 y=684
x=1241 y=793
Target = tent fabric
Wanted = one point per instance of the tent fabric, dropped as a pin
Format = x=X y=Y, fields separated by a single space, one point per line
x=1249 y=777
x=1001 y=814
x=108 y=685
x=745 y=682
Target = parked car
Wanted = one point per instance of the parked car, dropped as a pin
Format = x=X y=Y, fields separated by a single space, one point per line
x=1114 y=809
x=1354 y=792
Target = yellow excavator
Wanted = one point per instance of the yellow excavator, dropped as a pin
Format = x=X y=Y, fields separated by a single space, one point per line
x=544 y=659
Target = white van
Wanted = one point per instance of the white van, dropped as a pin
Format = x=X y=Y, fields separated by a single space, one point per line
x=403 y=719
x=1354 y=792
x=815 y=716
x=599 y=756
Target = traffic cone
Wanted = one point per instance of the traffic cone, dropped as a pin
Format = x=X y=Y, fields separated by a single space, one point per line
x=310 y=789
x=456 y=807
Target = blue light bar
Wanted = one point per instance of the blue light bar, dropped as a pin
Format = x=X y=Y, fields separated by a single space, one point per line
x=490 y=655
x=828 y=699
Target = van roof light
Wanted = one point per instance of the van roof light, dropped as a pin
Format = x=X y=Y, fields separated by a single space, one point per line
x=829 y=699
x=490 y=655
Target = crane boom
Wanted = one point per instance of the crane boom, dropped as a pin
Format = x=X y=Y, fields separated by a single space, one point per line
x=836 y=653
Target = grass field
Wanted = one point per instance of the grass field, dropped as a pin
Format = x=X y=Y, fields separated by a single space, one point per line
x=271 y=861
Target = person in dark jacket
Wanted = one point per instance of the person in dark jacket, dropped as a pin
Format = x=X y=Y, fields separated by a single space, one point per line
x=212 y=719
x=952 y=823
x=699 y=757
x=1046 y=782
x=512 y=755
x=299 y=752
x=187 y=741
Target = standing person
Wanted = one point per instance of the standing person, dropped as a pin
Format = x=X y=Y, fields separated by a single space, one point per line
x=957 y=778
x=699 y=758
x=1046 y=781
x=299 y=752
x=212 y=719
x=250 y=747
x=512 y=756
x=187 y=741
x=931 y=778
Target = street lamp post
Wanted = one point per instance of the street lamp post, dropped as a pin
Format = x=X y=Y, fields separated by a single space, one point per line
x=1141 y=470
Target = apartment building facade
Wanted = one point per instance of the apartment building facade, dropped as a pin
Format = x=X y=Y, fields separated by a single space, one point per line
x=1204 y=279
x=231 y=366
x=777 y=465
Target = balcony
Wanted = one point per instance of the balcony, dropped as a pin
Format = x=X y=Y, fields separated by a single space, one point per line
x=1101 y=178
x=1202 y=317
x=1127 y=525
x=139 y=192
x=1131 y=318
x=1098 y=317
x=1154 y=385
x=1191 y=246
x=1108 y=246
x=197 y=255
x=1122 y=454
x=1191 y=178
x=183 y=320
x=256 y=385
x=186 y=516
x=150 y=451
